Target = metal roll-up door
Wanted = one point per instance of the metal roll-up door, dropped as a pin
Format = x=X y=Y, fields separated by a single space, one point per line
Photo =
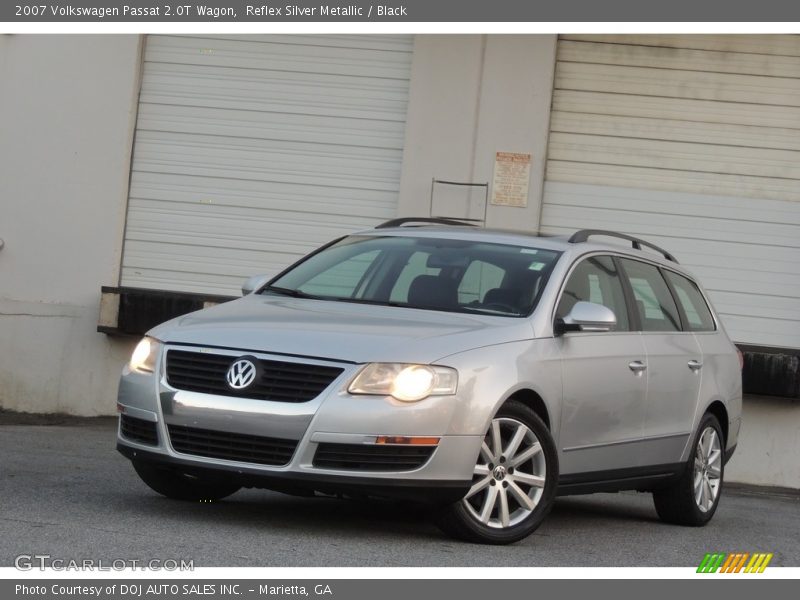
x=251 y=151
x=693 y=142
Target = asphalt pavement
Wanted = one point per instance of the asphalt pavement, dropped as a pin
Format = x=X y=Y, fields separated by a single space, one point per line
x=66 y=492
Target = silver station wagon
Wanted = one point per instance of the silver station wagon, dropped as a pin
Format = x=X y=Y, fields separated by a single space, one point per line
x=482 y=372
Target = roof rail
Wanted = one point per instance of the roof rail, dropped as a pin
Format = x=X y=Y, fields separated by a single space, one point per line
x=584 y=234
x=436 y=220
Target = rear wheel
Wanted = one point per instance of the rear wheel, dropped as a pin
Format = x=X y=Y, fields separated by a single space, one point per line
x=694 y=498
x=180 y=486
x=514 y=481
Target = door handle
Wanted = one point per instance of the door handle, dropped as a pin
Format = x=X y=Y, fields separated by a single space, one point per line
x=695 y=365
x=637 y=366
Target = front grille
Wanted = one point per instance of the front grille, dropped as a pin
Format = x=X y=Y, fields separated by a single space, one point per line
x=279 y=381
x=138 y=430
x=231 y=446
x=365 y=457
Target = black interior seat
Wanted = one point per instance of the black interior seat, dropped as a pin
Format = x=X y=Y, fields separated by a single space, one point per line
x=432 y=291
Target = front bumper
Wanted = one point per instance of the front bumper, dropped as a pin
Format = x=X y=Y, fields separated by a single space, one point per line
x=334 y=417
x=426 y=491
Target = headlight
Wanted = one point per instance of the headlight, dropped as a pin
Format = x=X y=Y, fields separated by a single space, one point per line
x=408 y=383
x=144 y=355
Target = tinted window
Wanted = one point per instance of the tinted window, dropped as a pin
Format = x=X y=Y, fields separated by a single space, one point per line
x=436 y=274
x=479 y=278
x=654 y=302
x=341 y=279
x=694 y=305
x=417 y=265
x=595 y=280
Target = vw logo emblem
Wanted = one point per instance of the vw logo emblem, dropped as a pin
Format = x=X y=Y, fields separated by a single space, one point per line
x=241 y=374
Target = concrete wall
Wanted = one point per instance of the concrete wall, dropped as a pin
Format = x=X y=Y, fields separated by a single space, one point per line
x=769 y=444
x=472 y=96
x=67 y=111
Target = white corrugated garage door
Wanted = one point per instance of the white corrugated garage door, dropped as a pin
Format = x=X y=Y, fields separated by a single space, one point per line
x=692 y=142
x=252 y=150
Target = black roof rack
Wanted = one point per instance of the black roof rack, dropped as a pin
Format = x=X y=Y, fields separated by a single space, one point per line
x=436 y=220
x=584 y=234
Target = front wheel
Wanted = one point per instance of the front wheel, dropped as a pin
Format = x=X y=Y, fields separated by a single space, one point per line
x=694 y=498
x=514 y=481
x=180 y=486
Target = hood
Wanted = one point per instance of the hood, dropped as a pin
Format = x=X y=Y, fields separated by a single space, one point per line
x=340 y=330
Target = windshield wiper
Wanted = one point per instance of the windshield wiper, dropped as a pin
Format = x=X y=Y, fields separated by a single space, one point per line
x=489 y=311
x=290 y=292
x=300 y=294
x=373 y=302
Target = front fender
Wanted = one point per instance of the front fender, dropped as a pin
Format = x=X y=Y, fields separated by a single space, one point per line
x=489 y=375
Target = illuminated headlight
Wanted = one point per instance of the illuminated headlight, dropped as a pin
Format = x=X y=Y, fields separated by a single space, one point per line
x=144 y=355
x=408 y=383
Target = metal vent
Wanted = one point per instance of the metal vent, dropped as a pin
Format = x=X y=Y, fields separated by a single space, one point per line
x=365 y=457
x=231 y=446
x=138 y=430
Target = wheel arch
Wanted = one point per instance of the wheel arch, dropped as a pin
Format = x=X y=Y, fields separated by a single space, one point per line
x=534 y=401
x=718 y=409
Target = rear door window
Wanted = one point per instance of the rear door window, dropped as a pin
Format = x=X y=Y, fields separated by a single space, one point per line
x=657 y=310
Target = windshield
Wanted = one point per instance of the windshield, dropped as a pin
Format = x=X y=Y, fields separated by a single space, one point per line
x=419 y=272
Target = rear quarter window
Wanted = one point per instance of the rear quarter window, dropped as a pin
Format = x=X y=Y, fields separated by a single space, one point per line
x=698 y=314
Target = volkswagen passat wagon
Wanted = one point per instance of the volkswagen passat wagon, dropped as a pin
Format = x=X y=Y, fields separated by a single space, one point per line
x=483 y=372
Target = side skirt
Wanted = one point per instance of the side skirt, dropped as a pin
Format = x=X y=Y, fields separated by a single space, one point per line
x=635 y=478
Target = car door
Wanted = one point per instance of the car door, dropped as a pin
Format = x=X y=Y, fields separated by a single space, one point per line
x=720 y=373
x=604 y=387
x=674 y=365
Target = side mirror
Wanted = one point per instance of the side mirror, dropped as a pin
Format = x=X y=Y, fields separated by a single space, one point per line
x=253 y=283
x=587 y=316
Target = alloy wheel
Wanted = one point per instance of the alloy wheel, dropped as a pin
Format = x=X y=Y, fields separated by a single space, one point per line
x=509 y=477
x=707 y=469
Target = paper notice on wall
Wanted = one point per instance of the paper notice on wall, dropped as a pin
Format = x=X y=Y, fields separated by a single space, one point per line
x=512 y=176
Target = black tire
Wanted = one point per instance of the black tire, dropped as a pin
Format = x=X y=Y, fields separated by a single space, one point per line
x=676 y=504
x=179 y=486
x=458 y=521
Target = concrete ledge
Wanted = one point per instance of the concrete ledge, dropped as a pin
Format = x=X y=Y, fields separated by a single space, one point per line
x=746 y=489
x=12 y=417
